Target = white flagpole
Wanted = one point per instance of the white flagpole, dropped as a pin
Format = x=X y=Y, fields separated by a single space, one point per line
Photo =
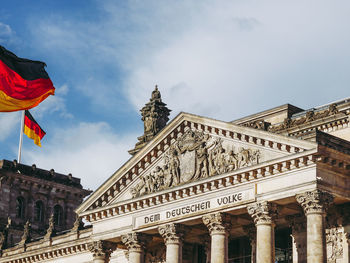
x=21 y=137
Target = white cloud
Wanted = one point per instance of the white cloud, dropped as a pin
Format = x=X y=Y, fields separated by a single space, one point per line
x=7 y=35
x=5 y=30
x=224 y=59
x=90 y=151
x=54 y=104
x=9 y=124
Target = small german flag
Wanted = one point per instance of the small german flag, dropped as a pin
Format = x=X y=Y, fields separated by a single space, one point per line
x=32 y=128
x=24 y=83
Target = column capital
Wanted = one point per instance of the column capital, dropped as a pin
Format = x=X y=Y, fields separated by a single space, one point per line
x=263 y=213
x=172 y=233
x=135 y=241
x=101 y=249
x=217 y=223
x=314 y=202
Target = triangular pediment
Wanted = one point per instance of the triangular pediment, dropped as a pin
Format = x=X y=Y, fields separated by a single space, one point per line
x=188 y=149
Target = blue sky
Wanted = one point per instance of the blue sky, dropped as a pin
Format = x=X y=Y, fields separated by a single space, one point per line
x=222 y=59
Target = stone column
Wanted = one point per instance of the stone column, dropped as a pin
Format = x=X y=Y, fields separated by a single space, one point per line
x=101 y=250
x=219 y=225
x=135 y=243
x=315 y=204
x=251 y=232
x=298 y=225
x=173 y=235
x=263 y=214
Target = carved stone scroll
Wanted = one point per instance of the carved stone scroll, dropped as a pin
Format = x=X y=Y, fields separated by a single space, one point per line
x=217 y=223
x=314 y=201
x=101 y=250
x=134 y=241
x=262 y=212
x=172 y=233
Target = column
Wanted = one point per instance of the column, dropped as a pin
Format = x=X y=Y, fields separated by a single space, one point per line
x=263 y=214
x=251 y=232
x=173 y=238
x=101 y=250
x=135 y=243
x=219 y=225
x=298 y=225
x=315 y=204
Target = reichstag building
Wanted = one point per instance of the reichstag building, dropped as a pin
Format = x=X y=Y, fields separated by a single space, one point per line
x=269 y=187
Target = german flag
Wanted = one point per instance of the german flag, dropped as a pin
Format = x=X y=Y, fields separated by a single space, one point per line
x=32 y=128
x=24 y=83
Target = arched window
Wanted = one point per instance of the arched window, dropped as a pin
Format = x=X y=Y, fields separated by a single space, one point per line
x=39 y=211
x=58 y=215
x=20 y=207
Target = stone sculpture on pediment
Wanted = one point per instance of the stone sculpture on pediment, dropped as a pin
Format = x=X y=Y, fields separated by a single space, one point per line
x=195 y=155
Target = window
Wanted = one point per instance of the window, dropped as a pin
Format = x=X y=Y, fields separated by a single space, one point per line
x=20 y=207
x=39 y=211
x=58 y=215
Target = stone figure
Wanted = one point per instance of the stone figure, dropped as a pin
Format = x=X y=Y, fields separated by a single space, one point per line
x=208 y=157
x=26 y=233
x=173 y=164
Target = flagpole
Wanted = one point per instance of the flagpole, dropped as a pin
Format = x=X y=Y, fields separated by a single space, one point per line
x=21 y=137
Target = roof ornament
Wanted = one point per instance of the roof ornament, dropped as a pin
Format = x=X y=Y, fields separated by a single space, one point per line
x=155 y=115
x=26 y=237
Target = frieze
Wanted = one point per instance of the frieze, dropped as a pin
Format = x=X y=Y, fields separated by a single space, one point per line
x=196 y=155
x=308 y=117
x=227 y=199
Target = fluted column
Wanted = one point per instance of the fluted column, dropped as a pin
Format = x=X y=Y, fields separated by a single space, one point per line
x=251 y=232
x=101 y=250
x=315 y=204
x=263 y=214
x=219 y=225
x=135 y=243
x=173 y=235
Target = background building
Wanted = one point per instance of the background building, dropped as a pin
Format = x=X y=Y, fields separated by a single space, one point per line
x=28 y=193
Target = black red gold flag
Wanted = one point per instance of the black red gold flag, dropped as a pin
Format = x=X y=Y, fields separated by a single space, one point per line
x=24 y=83
x=32 y=128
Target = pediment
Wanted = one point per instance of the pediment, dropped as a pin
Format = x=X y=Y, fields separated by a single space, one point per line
x=188 y=149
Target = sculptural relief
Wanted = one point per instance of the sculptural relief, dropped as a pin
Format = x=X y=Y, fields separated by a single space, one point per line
x=196 y=155
x=334 y=241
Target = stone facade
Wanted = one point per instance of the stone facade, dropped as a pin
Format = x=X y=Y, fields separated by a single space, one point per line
x=31 y=196
x=270 y=187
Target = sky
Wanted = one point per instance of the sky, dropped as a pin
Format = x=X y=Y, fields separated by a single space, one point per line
x=220 y=59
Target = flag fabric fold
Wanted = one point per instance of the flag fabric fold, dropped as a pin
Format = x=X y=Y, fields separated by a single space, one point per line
x=24 y=83
x=32 y=129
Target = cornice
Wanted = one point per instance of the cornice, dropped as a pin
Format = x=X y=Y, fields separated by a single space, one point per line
x=132 y=168
x=41 y=251
x=42 y=183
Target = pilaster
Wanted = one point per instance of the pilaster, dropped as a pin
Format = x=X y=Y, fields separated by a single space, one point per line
x=298 y=226
x=251 y=232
